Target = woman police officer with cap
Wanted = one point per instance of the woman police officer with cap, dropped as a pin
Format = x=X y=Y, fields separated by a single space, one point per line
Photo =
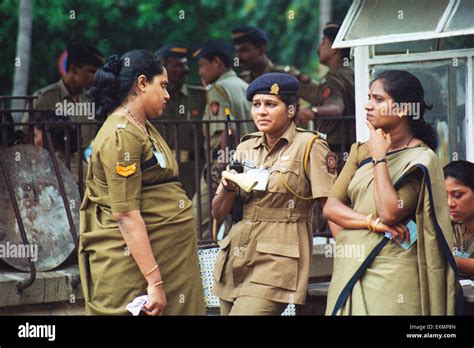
x=264 y=261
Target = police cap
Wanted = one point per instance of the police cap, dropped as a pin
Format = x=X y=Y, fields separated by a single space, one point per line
x=279 y=84
x=172 y=51
x=249 y=33
x=213 y=47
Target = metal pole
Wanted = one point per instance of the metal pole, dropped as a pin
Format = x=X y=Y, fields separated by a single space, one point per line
x=27 y=283
x=197 y=179
x=61 y=188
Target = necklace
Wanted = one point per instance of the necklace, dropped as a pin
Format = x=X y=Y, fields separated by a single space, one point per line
x=136 y=121
x=409 y=141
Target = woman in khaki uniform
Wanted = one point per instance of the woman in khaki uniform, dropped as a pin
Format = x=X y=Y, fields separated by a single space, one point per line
x=392 y=183
x=137 y=229
x=459 y=182
x=264 y=261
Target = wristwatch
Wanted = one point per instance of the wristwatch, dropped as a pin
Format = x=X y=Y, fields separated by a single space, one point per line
x=375 y=162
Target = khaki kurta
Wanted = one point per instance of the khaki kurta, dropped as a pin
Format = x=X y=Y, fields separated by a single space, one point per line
x=110 y=276
x=267 y=254
x=420 y=280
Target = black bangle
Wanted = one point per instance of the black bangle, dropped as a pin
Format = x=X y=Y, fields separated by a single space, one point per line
x=225 y=188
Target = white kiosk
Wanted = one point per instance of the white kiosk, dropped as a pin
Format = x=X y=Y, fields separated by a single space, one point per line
x=434 y=40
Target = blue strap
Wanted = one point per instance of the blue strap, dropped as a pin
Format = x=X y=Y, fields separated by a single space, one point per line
x=350 y=284
x=444 y=246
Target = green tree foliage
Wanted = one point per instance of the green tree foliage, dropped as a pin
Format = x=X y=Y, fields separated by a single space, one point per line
x=116 y=26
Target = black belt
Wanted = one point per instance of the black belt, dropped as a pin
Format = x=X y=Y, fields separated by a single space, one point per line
x=167 y=181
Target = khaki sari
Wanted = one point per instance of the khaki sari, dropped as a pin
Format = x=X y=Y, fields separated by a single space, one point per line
x=387 y=279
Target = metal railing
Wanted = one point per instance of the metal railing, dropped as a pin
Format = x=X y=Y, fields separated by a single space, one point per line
x=170 y=130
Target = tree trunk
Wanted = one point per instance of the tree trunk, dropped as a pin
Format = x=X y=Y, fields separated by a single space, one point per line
x=325 y=15
x=22 y=59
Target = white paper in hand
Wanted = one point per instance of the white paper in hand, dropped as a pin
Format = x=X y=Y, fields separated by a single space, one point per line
x=137 y=304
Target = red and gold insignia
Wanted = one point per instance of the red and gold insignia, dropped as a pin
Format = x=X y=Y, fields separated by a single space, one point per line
x=326 y=92
x=331 y=162
x=195 y=113
x=215 y=108
x=125 y=170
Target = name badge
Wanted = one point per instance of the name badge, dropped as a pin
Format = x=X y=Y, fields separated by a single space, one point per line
x=262 y=176
x=160 y=158
x=461 y=253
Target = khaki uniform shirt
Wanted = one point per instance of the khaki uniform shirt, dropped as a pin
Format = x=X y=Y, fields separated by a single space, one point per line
x=308 y=88
x=228 y=91
x=57 y=92
x=125 y=175
x=267 y=254
x=188 y=105
x=337 y=88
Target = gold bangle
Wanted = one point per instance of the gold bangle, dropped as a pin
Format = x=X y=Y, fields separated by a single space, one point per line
x=151 y=270
x=156 y=284
x=374 y=225
x=369 y=221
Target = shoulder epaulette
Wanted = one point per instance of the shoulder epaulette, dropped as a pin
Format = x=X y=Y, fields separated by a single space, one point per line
x=250 y=136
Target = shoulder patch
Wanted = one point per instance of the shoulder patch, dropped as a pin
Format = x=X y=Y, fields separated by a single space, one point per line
x=331 y=162
x=126 y=171
x=215 y=108
x=121 y=126
x=326 y=92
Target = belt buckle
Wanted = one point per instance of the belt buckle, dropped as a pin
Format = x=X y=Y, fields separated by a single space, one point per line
x=293 y=215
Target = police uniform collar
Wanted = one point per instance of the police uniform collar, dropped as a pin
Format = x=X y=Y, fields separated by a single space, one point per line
x=268 y=69
x=227 y=74
x=63 y=90
x=288 y=135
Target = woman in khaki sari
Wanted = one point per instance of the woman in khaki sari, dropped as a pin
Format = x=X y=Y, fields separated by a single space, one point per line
x=137 y=228
x=393 y=183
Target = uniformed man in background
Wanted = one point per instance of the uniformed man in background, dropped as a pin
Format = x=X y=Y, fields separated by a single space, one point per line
x=187 y=103
x=250 y=45
x=82 y=63
x=225 y=90
x=67 y=97
x=335 y=96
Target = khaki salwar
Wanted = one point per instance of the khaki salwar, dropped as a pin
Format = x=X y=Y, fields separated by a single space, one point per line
x=417 y=281
x=109 y=274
